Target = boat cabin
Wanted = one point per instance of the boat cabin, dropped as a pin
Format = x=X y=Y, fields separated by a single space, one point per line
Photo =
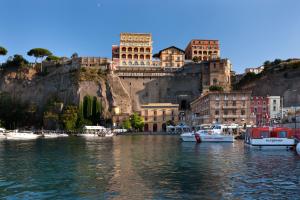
x=268 y=132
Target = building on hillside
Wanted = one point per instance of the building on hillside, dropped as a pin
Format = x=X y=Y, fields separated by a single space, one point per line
x=223 y=107
x=216 y=73
x=135 y=49
x=202 y=49
x=275 y=106
x=260 y=108
x=157 y=115
x=100 y=62
x=171 y=57
x=255 y=70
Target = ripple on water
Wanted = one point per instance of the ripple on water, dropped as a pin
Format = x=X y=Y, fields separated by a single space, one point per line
x=144 y=167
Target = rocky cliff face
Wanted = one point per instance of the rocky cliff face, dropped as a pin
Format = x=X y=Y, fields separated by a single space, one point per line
x=279 y=80
x=66 y=84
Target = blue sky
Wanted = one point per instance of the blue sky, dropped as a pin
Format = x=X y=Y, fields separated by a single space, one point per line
x=250 y=31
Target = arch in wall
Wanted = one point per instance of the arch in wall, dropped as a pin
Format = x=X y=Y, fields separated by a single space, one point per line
x=136 y=49
x=146 y=127
x=123 y=55
x=164 y=127
x=136 y=56
x=142 y=57
x=142 y=50
x=154 y=128
x=129 y=49
x=129 y=56
x=123 y=48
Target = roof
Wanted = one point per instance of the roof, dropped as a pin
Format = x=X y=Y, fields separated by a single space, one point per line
x=171 y=47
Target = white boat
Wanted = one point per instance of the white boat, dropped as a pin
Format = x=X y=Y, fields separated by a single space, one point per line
x=2 y=133
x=96 y=131
x=278 y=137
x=298 y=148
x=216 y=133
x=54 y=135
x=207 y=136
x=21 y=135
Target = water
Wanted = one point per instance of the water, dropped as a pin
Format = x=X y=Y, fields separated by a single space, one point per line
x=144 y=167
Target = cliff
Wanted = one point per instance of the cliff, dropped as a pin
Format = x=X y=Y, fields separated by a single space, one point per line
x=66 y=83
x=278 y=79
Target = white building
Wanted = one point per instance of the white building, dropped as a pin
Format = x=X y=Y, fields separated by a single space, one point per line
x=275 y=106
x=255 y=70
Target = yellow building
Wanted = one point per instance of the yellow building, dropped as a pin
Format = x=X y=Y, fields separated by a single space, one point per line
x=157 y=115
x=135 y=49
x=171 y=57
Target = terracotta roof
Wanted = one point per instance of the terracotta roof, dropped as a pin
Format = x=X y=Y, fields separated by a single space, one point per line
x=171 y=47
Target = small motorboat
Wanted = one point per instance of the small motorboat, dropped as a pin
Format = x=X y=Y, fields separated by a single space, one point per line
x=21 y=135
x=270 y=137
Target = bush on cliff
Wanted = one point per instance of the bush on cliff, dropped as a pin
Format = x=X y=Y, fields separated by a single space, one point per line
x=15 y=61
x=216 y=88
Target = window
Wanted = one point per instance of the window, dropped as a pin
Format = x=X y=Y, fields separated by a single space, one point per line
x=154 y=118
x=274 y=101
x=155 y=112
x=234 y=103
x=274 y=108
x=217 y=112
x=282 y=134
x=146 y=118
x=146 y=112
x=243 y=112
x=225 y=112
x=264 y=134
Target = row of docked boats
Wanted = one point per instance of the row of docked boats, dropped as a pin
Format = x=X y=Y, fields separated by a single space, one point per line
x=254 y=137
x=88 y=131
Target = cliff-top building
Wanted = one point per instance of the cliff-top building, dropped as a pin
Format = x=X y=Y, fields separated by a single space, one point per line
x=135 y=49
x=204 y=50
x=171 y=57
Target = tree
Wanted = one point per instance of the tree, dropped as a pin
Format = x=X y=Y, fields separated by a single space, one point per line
x=39 y=53
x=266 y=63
x=195 y=59
x=69 y=117
x=137 y=122
x=3 y=51
x=126 y=124
x=16 y=61
x=52 y=58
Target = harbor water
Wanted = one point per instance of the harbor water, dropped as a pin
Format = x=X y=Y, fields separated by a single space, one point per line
x=144 y=167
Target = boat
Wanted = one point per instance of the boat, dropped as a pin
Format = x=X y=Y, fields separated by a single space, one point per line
x=2 y=133
x=96 y=131
x=298 y=148
x=54 y=135
x=269 y=137
x=215 y=134
x=21 y=135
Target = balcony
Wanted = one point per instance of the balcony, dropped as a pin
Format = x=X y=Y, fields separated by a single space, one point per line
x=231 y=116
x=230 y=107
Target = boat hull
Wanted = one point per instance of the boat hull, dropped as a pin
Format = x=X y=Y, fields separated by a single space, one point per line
x=207 y=138
x=271 y=142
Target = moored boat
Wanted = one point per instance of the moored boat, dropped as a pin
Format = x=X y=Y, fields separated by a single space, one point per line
x=270 y=137
x=206 y=136
x=21 y=135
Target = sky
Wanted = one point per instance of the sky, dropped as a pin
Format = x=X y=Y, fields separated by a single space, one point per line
x=250 y=31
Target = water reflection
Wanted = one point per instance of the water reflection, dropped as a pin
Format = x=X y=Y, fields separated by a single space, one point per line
x=144 y=167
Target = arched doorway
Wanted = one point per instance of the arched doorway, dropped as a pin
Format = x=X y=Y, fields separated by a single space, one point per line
x=146 y=128
x=183 y=105
x=154 y=127
x=164 y=127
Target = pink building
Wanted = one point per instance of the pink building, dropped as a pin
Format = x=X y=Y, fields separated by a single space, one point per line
x=260 y=107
